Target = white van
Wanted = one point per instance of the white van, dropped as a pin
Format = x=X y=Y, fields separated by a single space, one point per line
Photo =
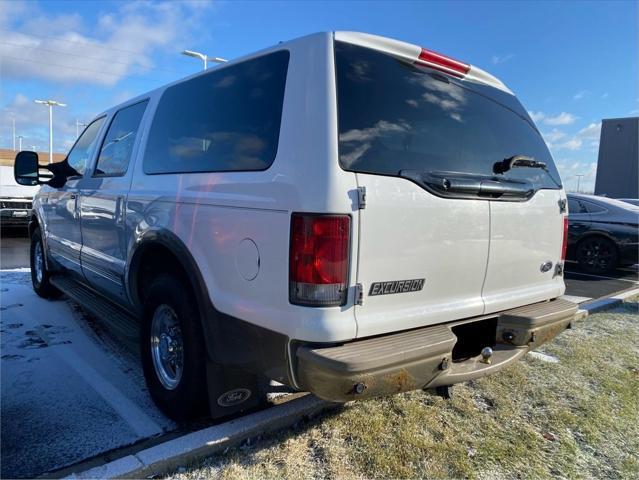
x=343 y=213
x=15 y=200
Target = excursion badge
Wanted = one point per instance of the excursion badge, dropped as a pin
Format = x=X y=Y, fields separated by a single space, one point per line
x=398 y=286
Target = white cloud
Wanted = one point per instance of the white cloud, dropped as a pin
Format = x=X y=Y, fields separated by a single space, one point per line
x=61 y=48
x=571 y=144
x=32 y=122
x=591 y=132
x=581 y=94
x=604 y=96
x=554 y=135
x=536 y=116
x=563 y=118
x=497 y=59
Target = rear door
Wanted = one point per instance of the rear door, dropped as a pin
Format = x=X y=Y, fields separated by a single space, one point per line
x=424 y=147
x=525 y=248
x=103 y=203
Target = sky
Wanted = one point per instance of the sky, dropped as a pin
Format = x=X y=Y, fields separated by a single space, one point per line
x=570 y=63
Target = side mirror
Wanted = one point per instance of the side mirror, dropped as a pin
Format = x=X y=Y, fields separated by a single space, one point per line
x=26 y=169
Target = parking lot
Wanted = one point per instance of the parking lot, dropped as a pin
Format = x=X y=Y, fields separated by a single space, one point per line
x=71 y=392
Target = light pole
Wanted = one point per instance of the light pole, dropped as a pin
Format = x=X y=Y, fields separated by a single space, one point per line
x=203 y=57
x=20 y=137
x=78 y=124
x=578 y=181
x=51 y=104
x=13 y=121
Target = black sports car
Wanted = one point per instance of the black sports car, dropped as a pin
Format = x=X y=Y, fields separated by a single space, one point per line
x=603 y=233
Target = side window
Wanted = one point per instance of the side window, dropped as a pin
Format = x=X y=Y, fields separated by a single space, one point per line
x=222 y=121
x=592 y=208
x=117 y=146
x=84 y=147
x=575 y=206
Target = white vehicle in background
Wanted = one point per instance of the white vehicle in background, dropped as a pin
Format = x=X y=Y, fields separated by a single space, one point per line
x=343 y=213
x=15 y=199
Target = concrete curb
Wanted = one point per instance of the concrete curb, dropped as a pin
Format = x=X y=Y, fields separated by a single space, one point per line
x=208 y=441
x=608 y=302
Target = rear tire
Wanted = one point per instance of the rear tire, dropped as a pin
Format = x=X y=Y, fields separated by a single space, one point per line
x=40 y=276
x=597 y=255
x=172 y=349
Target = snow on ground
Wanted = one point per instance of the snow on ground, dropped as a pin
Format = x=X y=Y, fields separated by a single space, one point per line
x=69 y=390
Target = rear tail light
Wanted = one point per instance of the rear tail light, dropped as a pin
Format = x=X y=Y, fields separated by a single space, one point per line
x=564 y=244
x=319 y=258
x=443 y=63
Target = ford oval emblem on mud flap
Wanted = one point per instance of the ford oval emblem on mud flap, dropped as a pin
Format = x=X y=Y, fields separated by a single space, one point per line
x=234 y=397
x=546 y=266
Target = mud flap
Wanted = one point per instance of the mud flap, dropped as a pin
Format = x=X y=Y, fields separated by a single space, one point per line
x=231 y=390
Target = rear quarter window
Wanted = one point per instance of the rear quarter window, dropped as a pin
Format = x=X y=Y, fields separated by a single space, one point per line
x=592 y=208
x=394 y=116
x=575 y=206
x=225 y=120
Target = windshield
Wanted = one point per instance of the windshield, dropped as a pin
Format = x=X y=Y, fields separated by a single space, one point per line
x=396 y=116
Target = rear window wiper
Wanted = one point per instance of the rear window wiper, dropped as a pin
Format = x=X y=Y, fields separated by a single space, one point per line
x=522 y=161
x=517 y=161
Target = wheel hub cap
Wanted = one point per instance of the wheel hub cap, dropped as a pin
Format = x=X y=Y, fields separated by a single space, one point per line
x=166 y=347
x=597 y=255
x=38 y=262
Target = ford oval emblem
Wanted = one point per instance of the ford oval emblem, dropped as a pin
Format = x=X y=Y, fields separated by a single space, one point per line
x=545 y=267
x=234 y=397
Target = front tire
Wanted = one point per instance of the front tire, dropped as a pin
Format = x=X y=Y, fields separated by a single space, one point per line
x=172 y=350
x=597 y=255
x=40 y=276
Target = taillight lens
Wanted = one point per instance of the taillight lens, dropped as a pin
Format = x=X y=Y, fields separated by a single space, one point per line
x=318 y=262
x=443 y=63
x=564 y=245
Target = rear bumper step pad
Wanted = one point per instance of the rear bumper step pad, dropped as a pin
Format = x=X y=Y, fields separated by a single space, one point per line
x=422 y=358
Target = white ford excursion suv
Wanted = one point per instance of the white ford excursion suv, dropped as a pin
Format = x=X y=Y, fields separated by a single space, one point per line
x=346 y=214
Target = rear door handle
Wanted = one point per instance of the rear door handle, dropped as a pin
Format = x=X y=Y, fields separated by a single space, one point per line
x=489 y=187
x=119 y=210
x=464 y=185
x=76 y=212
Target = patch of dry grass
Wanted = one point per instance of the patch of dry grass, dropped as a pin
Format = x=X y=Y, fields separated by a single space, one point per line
x=578 y=418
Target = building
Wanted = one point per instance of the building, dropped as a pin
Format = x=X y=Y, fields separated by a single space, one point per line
x=7 y=157
x=618 y=164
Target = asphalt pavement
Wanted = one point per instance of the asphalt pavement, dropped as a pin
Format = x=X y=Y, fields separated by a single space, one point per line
x=70 y=391
x=582 y=284
x=14 y=248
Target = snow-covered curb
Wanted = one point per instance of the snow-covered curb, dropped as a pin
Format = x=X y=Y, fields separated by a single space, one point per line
x=208 y=441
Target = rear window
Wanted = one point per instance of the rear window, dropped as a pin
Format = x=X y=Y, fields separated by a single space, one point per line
x=226 y=120
x=396 y=116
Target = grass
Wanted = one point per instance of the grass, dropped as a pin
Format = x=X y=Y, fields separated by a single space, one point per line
x=577 y=418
